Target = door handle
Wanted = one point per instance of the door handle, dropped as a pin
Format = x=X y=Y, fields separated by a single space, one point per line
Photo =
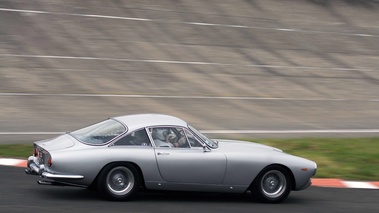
x=163 y=153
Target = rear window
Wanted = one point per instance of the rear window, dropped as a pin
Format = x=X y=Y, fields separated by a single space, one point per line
x=99 y=133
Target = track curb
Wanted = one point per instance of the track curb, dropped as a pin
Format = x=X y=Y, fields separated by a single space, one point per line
x=318 y=182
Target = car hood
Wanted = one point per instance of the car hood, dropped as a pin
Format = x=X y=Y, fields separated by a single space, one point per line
x=234 y=145
x=60 y=142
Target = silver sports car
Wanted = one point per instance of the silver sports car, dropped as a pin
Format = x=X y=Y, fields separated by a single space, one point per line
x=121 y=155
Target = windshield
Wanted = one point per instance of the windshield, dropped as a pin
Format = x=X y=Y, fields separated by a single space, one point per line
x=208 y=141
x=99 y=133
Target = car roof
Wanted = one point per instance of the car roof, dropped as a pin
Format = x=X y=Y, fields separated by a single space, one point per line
x=138 y=121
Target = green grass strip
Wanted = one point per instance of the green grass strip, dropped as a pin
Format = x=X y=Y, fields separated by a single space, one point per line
x=16 y=150
x=346 y=158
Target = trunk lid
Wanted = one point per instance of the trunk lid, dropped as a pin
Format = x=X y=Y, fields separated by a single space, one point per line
x=60 y=142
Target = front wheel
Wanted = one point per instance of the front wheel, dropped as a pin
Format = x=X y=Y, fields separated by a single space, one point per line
x=272 y=185
x=119 y=182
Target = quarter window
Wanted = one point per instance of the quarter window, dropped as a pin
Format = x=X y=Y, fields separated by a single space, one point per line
x=136 y=138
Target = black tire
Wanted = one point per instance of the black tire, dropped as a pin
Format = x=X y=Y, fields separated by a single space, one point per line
x=272 y=185
x=119 y=182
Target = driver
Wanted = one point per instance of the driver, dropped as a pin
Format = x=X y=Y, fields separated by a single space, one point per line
x=173 y=139
x=160 y=137
x=163 y=137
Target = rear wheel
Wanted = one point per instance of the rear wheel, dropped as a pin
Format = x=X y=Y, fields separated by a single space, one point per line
x=272 y=185
x=119 y=182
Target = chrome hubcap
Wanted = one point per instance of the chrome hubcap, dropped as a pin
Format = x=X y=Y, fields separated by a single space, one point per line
x=120 y=180
x=273 y=183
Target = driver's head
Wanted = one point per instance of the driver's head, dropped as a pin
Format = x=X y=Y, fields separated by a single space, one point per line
x=159 y=133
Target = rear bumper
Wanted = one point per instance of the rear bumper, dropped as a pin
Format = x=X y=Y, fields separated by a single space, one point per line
x=33 y=168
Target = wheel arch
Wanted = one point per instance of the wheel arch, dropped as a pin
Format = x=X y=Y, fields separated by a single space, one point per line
x=292 y=177
x=119 y=163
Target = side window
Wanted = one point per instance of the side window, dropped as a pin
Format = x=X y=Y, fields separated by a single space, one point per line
x=193 y=141
x=169 y=137
x=137 y=138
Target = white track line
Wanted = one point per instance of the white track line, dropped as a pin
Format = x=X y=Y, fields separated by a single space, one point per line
x=290 y=131
x=188 y=23
x=184 y=62
x=122 y=59
x=181 y=97
x=325 y=131
x=74 y=14
x=359 y=185
x=10 y=162
x=31 y=133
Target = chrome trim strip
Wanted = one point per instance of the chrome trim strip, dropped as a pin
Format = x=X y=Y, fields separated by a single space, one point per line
x=60 y=176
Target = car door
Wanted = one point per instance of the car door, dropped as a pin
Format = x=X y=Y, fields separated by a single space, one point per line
x=190 y=163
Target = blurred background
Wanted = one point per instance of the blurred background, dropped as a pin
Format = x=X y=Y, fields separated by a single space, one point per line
x=231 y=68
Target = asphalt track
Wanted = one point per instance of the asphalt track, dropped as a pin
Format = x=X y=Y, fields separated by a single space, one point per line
x=21 y=193
x=290 y=68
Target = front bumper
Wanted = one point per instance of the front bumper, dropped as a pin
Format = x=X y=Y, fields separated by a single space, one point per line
x=33 y=168
x=308 y=184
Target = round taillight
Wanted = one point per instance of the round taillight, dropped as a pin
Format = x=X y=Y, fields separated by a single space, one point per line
x=50 y=162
